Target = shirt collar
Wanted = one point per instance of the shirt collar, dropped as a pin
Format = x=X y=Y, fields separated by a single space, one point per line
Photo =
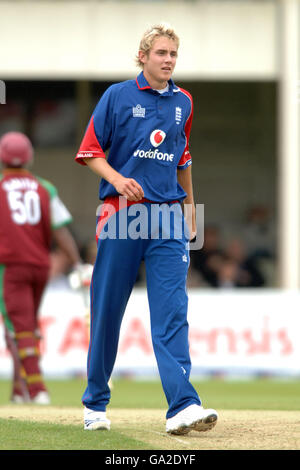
x=142 y=84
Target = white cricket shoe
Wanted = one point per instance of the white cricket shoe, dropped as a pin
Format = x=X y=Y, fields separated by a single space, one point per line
x=42 y=398
x=95 y=420
x=18 y=399
x=194 y=417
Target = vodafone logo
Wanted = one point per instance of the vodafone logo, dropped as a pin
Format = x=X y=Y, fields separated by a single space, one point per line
x=157 y=137
x=154 y=154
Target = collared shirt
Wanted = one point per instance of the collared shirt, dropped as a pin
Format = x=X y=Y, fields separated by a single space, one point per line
x=146 y=134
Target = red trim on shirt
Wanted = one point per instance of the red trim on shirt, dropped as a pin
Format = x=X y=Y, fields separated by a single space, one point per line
x=186 y=156
x=114 y=204
x=142 y=88
x=90 y=147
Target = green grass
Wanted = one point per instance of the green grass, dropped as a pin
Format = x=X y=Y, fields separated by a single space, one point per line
x=23 y=435
x=264 y=394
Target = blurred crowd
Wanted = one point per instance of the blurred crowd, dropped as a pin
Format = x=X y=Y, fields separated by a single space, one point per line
x=243 y=256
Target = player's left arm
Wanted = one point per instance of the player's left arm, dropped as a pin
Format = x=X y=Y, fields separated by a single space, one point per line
x=185 y=180
x=184 y=171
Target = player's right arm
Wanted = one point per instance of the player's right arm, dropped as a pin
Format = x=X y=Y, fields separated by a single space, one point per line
x=127 y=187
x=60 y=218
x=66 y=242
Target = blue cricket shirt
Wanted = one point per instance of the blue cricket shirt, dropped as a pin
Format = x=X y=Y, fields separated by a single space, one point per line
x=146 y=135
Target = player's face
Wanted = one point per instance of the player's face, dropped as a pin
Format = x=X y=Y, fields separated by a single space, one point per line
x=159 y=62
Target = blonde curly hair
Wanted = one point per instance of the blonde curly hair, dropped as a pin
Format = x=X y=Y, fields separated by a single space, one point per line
x=156 y=31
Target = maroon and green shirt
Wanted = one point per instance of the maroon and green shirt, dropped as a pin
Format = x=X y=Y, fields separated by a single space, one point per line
x=29 y=210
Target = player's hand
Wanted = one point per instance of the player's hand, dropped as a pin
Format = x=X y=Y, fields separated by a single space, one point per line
x=190 y=220
x=192 y=231
x=193 y=235
x=81 y=276
x=129 y=188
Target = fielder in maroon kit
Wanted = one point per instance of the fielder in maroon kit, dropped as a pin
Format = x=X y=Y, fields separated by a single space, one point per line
x=32 y=216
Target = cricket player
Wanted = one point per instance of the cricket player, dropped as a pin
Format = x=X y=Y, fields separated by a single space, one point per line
x=32 y=215
x=137 y=141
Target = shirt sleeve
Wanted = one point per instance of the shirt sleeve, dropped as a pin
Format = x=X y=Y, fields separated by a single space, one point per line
x=97 y=137
x=186 y=159
x=60 y=215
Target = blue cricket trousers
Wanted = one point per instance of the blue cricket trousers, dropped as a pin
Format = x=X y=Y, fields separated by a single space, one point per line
x=127 y=237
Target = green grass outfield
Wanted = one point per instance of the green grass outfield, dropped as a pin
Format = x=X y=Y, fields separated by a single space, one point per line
x=24 y=434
